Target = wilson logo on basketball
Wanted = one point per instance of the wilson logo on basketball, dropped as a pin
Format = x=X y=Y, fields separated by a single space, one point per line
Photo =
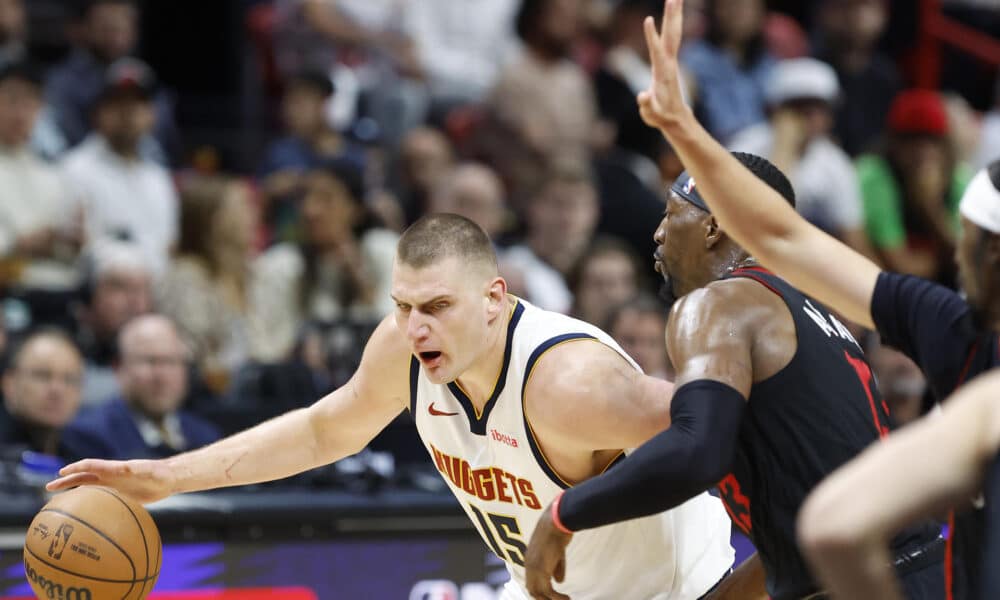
x=55 y=590
x=60 y=540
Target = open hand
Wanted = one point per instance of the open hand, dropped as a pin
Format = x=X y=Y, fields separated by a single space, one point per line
x=142 y=480
x=663 y=104
x=545 y=559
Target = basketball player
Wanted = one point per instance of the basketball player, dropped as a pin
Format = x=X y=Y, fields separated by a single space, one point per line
x=773 y=393
x=952 y=339
x=936 y=463
x=513 y=403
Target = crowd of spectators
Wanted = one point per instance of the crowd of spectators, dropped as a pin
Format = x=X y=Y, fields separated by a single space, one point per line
x=153 y=301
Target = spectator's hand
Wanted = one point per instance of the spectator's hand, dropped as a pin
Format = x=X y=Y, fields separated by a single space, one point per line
x=545 y=559
x=662 y=105
x=143 y=480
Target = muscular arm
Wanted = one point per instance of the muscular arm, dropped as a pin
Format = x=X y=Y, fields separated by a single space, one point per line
x=336 y=426
x=710 y=343
x=914 y=474
x=750 y=211
x=582 y=396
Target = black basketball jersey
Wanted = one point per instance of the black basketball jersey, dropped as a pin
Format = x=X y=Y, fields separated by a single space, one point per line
x=934 y=326
x=804 y=422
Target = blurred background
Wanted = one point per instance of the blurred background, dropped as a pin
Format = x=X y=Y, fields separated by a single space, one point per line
x=199 y=203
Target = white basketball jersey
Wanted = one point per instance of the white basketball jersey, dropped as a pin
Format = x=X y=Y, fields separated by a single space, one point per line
x=497 y=471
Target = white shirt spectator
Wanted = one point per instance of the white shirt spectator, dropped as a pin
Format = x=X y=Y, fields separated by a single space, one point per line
x=826 y=186
x=121 y=197
x=33 y=199
x=540 y=283
x=462 y=45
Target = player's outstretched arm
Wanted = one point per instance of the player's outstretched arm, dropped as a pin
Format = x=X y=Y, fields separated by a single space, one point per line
x=710 y=340
x=914 y=474
x=748 y=209
x=338 y=425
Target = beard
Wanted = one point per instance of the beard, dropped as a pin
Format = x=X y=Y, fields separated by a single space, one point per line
x=667 y=293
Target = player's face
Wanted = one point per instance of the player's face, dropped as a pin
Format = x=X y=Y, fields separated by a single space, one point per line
x=976 y=254
x=678 y=249
x=444 y=309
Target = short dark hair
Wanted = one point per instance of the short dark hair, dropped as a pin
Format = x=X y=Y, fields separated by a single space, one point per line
x=25 y=70
x=433 y=238
x=768 y=173
x=313 y=80
x=84 y=7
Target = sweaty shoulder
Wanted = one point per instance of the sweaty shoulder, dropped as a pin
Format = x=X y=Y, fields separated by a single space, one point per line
x=385 y=364
x=730 y=317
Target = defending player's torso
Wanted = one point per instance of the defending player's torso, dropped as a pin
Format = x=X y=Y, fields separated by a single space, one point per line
x=495 y=468
x=811 y=417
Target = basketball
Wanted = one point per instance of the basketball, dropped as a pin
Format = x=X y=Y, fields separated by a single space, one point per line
x=91 y=543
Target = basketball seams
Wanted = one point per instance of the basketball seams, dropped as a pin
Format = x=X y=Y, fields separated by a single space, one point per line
x=142 y=532
x=80 y=575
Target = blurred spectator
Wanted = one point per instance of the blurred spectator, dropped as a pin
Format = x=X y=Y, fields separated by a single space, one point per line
x=911 y=191
x=963 y=127
x=205 y=291
x=622 y=75
x=729 y=67
x=108 y=33
x=989 y=134
x=474 y=191
x=639 y=325
x=41 y=393
x=310 y=143
x=543 y=106
x=801 y=94
x=605 y=276
x=125 y=195
x=461 y=46
x=900 y=381
x=561 y=218
x=40 y=231
x=425 y=158
x=146 y=421
x=341 y=270
x=847 y=38
x=118 y=288
x=361 y=44
x=13 y=32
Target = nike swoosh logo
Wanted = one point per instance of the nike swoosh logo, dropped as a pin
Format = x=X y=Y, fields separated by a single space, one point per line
x=439 y=413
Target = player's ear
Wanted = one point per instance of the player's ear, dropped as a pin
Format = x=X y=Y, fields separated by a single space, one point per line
x=713 y=233
x=496 y=292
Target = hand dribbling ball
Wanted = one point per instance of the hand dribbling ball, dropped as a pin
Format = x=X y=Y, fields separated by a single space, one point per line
x=92 y=543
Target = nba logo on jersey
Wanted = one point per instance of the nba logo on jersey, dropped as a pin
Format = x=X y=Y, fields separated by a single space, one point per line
x=689 y=185
x=438 y=589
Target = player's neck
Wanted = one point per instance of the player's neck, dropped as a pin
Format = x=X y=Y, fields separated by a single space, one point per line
x=479 y=380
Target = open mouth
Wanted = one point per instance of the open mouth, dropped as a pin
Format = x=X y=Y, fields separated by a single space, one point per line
x=430 y=355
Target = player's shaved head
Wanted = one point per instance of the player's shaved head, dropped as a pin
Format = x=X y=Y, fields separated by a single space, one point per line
x=438 y=237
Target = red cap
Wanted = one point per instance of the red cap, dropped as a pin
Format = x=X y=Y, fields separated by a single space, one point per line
x=918 y=111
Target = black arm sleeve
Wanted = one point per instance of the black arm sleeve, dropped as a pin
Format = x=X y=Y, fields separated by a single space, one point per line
x=929 y=323
x=694 y=454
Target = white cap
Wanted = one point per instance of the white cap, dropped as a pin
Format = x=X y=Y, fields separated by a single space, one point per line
x=801 y=78
x=981 y=202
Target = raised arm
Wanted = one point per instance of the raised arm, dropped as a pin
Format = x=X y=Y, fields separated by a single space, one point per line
x=915 y=474
x=338 y=425
x=748 y=209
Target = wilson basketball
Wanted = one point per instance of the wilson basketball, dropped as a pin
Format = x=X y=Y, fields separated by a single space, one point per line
x=91 y=543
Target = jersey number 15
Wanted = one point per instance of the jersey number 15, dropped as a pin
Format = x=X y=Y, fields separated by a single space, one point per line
x=504 y=530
